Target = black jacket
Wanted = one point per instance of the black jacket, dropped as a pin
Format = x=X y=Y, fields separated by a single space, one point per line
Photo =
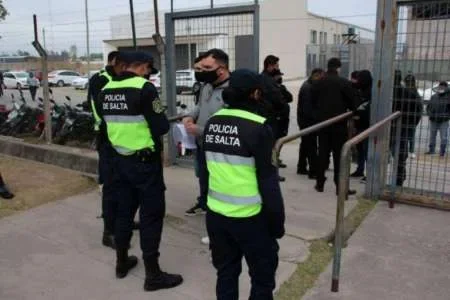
x=305 y=108
x=409 y=102
x=256 y=140
x=272 y=95
x=332 y=96
x=364 y=95
x=439 y=107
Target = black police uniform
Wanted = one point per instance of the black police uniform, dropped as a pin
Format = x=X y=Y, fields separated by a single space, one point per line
x=104 y=150
x=253 y=237
x=138 y=181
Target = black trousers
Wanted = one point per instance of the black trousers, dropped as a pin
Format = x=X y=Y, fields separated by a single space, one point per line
x=308 y=155
x=33 y=90
x=234 y=238
x=403 y=152
x=139 y=184
x=106 y=177
x=331 y=140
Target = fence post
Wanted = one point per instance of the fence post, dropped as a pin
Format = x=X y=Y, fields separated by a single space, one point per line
x=383 y=70
x=44 y=83
x=395 y=162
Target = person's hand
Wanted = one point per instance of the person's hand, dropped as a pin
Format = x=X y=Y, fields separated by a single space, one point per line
x=192 y=129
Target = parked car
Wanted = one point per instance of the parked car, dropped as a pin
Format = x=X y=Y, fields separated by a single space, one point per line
x=427 y=93
x=62 y=77
x=15 y=80
x=185 y=80
x=81 y=83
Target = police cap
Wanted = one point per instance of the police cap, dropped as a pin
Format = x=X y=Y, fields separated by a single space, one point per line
x=245 y=79
x=132 y=57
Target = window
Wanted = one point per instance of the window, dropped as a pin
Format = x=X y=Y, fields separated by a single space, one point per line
x=8 y=75
x=321 y=38
x=325 y=38
x=313 y=37
x=73 y=74
x=64 y=74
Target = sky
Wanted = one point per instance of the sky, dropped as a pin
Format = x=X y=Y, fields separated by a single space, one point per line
x=64 y=20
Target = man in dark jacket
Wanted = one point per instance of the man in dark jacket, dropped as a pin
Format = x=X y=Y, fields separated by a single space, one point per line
x=363 y=85
x=332 y=96
x=439 y=113
x=307 y=158
x=408 y=102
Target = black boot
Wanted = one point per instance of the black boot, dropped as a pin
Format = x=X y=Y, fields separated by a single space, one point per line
x=155 y=279
x=124 y=262
x=320 y=183
x=5 y=193
x=108 y=240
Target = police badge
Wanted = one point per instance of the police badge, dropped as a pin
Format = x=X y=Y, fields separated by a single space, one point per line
x=157 y=106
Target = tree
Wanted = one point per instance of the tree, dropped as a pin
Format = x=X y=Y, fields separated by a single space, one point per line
x=23 y=53
x=3 y=11
x=65 y=55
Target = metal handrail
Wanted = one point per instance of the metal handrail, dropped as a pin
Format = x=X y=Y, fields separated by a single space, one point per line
x=344 y=174
x=175 y=118
x=280 y=142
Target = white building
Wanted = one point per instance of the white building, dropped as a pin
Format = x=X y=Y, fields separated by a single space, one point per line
x=286 y=28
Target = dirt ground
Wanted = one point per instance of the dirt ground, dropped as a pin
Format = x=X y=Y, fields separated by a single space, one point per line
x=35 y=183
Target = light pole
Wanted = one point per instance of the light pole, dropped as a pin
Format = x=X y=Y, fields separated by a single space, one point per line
x=87 y=38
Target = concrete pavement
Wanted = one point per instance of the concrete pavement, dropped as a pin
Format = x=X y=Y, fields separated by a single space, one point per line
x=54 y=251
x=396 y=254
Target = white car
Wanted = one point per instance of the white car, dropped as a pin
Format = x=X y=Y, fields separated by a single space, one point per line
x=427 y=93
x=185 y=80
x=16 y=80
x=81 y=83
x=62 y=77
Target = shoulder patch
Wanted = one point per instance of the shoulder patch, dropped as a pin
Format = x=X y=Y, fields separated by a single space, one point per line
x=157 y=106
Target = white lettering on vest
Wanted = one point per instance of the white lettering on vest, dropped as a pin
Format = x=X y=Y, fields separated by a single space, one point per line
x=227 y=129
x=117 y=97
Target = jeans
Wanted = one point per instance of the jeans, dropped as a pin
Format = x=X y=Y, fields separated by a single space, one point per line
x=442 y=127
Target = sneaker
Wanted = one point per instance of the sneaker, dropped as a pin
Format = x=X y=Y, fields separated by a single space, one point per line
x=195 y=210
x=205 y=240
x=281 y=178
x=302 y=172
x=5 y=193
x=413 y=155
x=363 y=180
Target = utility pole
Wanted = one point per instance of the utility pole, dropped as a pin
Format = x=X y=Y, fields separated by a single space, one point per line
x=133 y=26
x=43 y=36
x=87 y=39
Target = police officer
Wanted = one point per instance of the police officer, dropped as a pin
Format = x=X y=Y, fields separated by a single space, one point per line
x=109 y=207
x=245 y=214
x=135 y=123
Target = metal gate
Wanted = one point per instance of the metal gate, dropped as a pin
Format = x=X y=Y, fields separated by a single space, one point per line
x=234 y=30
x=414 y=45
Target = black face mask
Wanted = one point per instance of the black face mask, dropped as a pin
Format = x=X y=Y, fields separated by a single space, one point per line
x=200 y=76
x=279 y=80
x=210 y=76
x=273 y=72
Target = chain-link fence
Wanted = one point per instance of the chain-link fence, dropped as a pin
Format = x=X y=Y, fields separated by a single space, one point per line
x=191 y=33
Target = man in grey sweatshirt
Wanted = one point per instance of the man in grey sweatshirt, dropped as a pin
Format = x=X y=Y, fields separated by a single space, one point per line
x=215 y=75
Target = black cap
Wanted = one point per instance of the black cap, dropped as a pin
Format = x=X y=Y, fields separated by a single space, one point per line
x=245 y=79
x=131 y=57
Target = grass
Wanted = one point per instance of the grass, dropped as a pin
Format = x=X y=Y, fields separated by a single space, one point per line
x=320 y=255
x=36 y=183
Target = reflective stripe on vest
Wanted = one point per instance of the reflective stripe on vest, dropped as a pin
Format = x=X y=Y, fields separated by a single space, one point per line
x=98 y=120
x=233 y=185
x=128 y=133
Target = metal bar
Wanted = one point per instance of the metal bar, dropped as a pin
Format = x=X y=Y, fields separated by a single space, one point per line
x=382 y=93
x=256 y=32
x=212 y=4
x=156 y=12
x=398 y=130
x=344 y=174
x=220 y=11
x=133 y=25
x=171 y=6
x=280 y=142
x=88 y=54
x=171 y=94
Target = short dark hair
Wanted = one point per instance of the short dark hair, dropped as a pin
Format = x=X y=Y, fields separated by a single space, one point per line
x=199 y=58
x=334 y=63
x=443 y=83
x=270 y=60
x=354 y=74
x=112 y=55
x=316 y=71
x=219 y=55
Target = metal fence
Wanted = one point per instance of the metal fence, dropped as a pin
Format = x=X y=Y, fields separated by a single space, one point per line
x=422 y=52
x=234 y=30
x=353 y=56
